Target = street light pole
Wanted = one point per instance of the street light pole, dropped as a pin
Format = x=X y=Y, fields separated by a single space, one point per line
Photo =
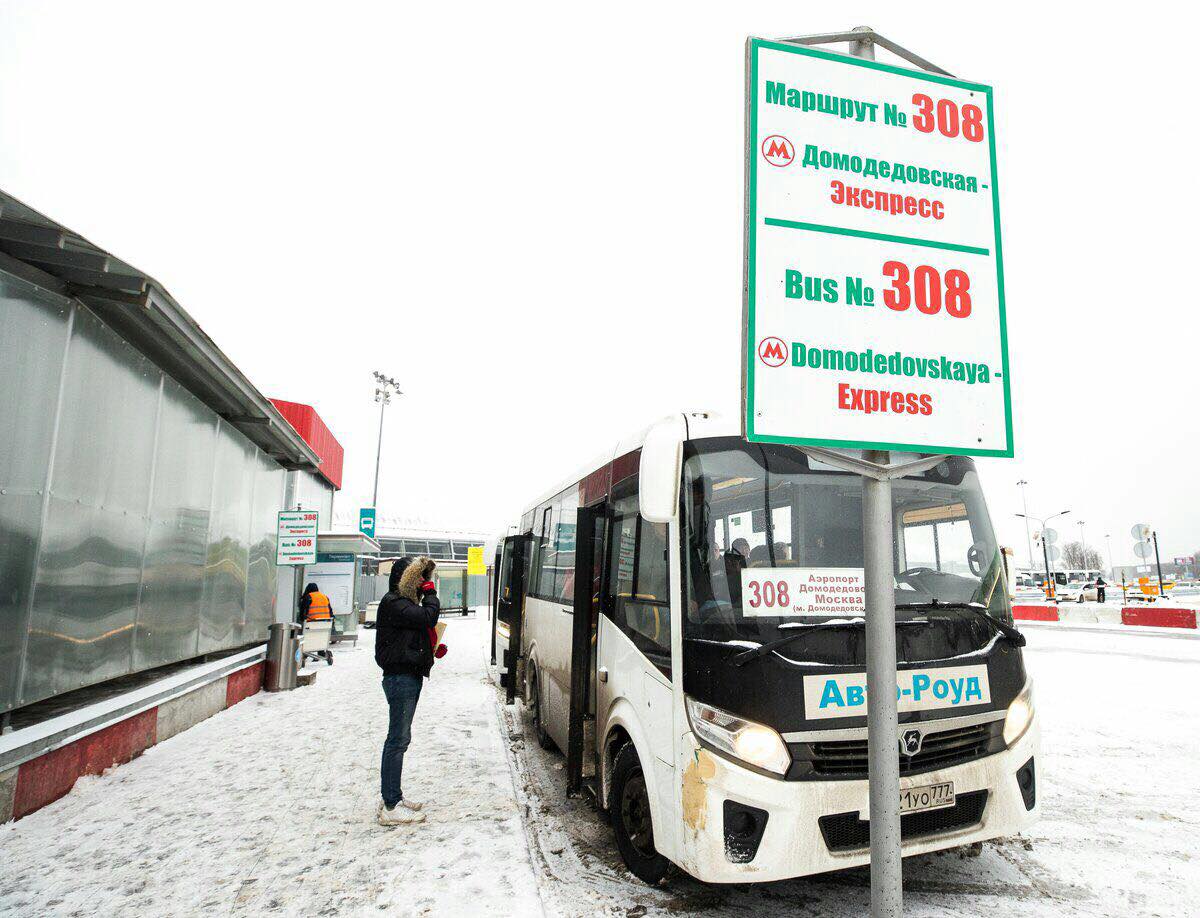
x=384 y=387
x=1025 y=506
x=1051 y=588
x=1083 y=557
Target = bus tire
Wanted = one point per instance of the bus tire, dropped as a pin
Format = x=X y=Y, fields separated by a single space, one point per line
x=629 y=811
x=539 y=728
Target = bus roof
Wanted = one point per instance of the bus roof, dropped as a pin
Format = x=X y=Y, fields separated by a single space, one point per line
x=699 y=424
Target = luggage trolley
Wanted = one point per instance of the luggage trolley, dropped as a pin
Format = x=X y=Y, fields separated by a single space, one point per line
x=316 y=640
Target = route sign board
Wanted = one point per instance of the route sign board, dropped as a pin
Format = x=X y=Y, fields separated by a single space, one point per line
x=296 y=540
x=874 y=302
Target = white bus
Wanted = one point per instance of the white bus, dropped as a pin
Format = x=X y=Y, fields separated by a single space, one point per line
x=684 y=619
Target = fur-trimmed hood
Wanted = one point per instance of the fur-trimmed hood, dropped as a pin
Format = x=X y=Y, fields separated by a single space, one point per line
x=414 y=575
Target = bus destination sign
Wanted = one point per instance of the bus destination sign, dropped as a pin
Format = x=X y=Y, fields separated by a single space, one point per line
x=874 y=310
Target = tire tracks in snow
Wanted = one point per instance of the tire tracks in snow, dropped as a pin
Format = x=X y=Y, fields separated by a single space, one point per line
x=564 y=861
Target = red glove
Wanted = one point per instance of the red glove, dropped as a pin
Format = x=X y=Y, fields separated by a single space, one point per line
x=428 y=587
x=439 y=650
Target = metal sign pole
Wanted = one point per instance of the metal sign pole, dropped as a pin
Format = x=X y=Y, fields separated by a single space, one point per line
x=883 y=743
x=1162 y=594
x=883 y=759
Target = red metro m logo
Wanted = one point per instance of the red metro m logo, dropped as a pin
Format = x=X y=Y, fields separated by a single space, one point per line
x=778 y=150
x=772 y=352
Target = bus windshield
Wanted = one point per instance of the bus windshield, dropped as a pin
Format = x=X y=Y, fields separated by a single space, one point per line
x=773 y=540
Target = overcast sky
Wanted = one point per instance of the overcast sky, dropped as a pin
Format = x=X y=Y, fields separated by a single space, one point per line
x=531 y=216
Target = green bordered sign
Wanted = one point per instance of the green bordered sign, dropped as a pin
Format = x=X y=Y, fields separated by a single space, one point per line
x=296 y=540
x=874 y=313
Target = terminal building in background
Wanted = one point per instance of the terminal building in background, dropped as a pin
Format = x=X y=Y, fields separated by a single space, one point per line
x=140 y=474
x=399 y=536
x=441 y=545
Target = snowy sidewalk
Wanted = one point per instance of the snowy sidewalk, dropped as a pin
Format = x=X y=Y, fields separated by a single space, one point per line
x=243 y=815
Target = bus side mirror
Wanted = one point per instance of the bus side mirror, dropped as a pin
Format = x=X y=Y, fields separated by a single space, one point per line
x=659 y=470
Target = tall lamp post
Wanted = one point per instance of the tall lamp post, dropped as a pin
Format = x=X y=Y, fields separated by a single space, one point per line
x=1025 y=506
x=1051 y=590
x=385 y=387
x=1083 y=555
x=1112 y=571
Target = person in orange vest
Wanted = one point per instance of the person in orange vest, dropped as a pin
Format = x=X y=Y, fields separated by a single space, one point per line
x=316 y=607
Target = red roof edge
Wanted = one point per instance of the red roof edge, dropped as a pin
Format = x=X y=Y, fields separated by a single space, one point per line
x=314 y=432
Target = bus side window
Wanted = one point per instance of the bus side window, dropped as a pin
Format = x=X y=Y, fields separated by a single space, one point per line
x=541 y=556
x=640 y=601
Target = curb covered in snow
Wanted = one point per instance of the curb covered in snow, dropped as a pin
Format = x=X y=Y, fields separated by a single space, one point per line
x=41 y=763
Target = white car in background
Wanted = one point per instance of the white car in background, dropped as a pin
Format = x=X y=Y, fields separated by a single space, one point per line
x=1078 y=592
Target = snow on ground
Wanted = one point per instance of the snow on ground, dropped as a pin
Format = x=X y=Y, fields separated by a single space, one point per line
x=241 y=816
x=1121 y=735
x=269 y=807
x=1120 y=738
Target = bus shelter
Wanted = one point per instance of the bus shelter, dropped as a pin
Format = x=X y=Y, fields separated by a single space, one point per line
x=458 y=590
x=337 y=574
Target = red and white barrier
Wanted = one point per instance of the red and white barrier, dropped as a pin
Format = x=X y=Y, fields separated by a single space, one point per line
x=1158 y=617
x=1035 y=613
x=1147 y=616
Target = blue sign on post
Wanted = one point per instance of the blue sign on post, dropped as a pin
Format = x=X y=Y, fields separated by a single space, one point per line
x=366 y=521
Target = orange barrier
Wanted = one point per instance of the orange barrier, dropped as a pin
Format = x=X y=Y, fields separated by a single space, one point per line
x=1035 y=613
x=1158 y=617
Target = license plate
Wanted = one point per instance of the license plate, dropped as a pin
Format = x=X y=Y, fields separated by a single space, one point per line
x=929 y=797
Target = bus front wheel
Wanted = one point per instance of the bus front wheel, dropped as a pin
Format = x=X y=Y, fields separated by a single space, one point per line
x=632 y=825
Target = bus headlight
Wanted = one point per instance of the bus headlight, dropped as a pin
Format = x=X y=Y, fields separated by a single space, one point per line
x=502 y=630
x=1020 y=715
x=752 y=743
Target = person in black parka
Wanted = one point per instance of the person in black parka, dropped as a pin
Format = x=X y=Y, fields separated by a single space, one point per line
x=404 y=650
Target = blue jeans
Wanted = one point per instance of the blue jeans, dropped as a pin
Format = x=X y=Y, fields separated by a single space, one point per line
x=402 y=693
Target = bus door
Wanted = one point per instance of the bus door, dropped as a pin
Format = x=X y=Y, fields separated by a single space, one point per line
x=510 y=609
x=581 y=726
x=494 y=592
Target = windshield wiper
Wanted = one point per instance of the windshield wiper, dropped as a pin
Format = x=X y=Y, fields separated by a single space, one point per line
x=978 y=608
x=758 y=653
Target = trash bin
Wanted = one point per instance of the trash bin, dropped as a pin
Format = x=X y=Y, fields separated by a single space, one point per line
x=283 y=652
